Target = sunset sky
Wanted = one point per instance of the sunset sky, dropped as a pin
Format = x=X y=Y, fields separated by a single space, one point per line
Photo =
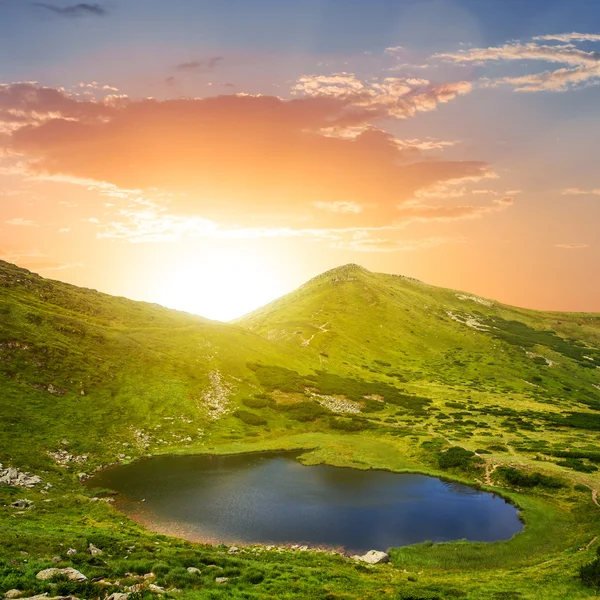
x=212 y=155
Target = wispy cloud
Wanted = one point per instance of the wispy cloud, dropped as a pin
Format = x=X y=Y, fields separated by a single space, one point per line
x=573 y=246
x=340 y=207
x=82 y=9
x=395 y=97
x=570 y=37
x=582 y=67
x=205 y=64
x=21 y=222
x=581 y=192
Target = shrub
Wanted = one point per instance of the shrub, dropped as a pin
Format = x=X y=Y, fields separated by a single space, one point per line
x=249 y=418
x=257 y=402
x=456 y=457
x=303 y=411
x=518 y=478
x=590 y=573
x=577 y=465
x=350 y=424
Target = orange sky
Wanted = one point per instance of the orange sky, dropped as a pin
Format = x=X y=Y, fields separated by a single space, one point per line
x=448 y=166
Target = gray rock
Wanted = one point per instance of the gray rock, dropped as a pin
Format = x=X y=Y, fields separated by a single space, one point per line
x=373 y=557
x=12 y=594
x=16 y=478
x=71 y=551
x=221 y=579
x=194 y=570
x=233 y=550
x=45 y=597
x=118 y=596
x=93 y=550
x=156 y=588
x=23 y=504
x=70 y=572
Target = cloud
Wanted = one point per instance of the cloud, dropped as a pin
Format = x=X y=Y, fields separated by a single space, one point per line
x=370 y=244
x=395 y=97
x=424 y=212
x=570 y=37
x=34 y=260
x=582 y=67
x=574 y=246
x=234 y=157
x=581 y=192
x=205 y=64
x=340 y=207
x=75 y=10
x=21 y=222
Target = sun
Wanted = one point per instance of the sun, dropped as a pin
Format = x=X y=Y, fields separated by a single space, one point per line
x=222 y=287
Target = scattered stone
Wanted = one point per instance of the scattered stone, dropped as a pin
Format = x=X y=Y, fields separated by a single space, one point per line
x=71 y=573
x=13 y=594
x=82 y=476
x=194 y=570
x=56 y=559
x=71 y=551
x=93 y=550
x=23 y=504
x=221 y=579
x=233 y=550
x=16 y=478
x=149 y=576
x=156 y=588
x=337 y=405
x=63 y=458
x=373 y=557
x=118 y=596
x=44 y=596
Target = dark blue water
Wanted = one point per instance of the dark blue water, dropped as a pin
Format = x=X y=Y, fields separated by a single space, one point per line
x=274 y=499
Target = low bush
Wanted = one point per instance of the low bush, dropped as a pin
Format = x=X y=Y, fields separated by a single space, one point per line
x=350 y=424
x=457 y=458
x=518 y=478
x=590 y=573
x=249 y=418
x=259 y=402
x=577 y=465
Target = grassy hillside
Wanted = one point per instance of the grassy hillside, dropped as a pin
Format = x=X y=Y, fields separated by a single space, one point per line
x=359 y=369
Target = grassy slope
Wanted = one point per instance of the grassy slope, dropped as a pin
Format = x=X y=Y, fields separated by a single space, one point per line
x=150 y=376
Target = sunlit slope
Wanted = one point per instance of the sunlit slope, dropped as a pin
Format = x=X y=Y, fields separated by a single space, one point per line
x=352 y=319
x=111 y=375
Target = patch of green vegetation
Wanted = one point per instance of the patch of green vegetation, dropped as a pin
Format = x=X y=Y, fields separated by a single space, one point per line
x=458 y=458
x=520 y=479
x=249 y=418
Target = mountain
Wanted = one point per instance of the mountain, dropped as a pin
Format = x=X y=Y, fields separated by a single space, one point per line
x=355 y=369
x=365 y=323
x=103 y=371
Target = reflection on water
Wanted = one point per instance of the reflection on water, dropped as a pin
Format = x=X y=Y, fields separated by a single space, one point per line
x=272 y=498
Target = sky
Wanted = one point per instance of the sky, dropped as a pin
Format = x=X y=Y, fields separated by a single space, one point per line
x=211 y=156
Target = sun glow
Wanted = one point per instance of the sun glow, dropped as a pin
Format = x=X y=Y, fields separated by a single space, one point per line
x=221 y=287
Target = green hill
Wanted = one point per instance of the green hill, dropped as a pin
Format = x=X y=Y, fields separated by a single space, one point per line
x=355 y=368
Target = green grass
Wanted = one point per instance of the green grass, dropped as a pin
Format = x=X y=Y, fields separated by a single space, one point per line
x=108 y=380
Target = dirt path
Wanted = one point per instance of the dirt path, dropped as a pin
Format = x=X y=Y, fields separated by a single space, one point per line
x=489 y=469
x=591 y=542
x=595 y=497
x=310 y=339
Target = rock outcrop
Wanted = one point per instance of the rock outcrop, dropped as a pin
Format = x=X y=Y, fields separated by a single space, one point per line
x=16 y=478
x=373 y=557
x=71 y=573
